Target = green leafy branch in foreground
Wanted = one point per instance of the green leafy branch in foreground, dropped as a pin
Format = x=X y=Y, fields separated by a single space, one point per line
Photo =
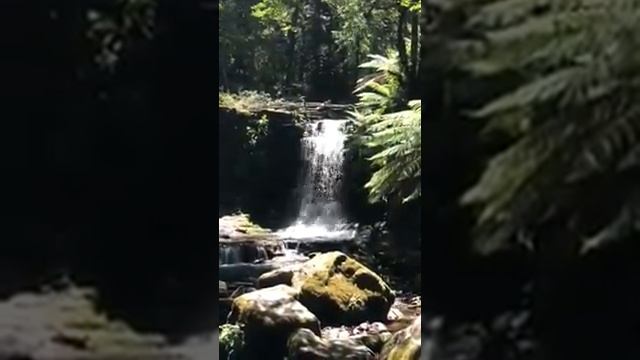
x=573 y=118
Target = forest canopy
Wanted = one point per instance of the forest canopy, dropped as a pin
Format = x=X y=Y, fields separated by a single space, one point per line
x=312 y=47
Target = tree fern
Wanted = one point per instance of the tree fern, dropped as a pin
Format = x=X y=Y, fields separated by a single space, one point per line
x=573 y=115
x=396 y=138
x=393 y=136
x=380 y=90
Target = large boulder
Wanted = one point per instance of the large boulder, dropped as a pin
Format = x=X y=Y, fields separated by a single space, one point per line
x=305 y=345
x=405 y=344
x=268 y=317
x=336 y=288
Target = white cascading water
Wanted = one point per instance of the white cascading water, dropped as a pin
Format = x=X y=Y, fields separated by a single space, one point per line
x=320 y=213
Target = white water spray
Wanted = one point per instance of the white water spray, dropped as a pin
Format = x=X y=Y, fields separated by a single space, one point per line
x=320 y=214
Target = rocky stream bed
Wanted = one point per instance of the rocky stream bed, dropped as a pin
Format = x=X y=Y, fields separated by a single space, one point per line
x=303 y=303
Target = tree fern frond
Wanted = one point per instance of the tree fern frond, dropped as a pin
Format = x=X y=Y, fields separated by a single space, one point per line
x=624 y=225
x=572 y=114
x=397 y=140
x=603 y=151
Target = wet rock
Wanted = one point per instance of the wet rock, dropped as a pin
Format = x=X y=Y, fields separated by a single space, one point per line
x=305 y=345
x=282 y=276
x=223 y=290
x=405 y=308
x=248 y=250
x=242 y=272
x=269 y=316
x=340 y=290
x=405 y=344
x=237 y=226
x=372 y=335
x=337 y=288
x=241 y=241
x=241 y=290
x=321 y=244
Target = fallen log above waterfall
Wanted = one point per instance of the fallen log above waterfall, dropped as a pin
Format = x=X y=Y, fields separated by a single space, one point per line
x=257 y=106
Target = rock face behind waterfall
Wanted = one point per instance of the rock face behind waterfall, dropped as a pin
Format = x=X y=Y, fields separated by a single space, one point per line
x=336 y=288
x=258 y=179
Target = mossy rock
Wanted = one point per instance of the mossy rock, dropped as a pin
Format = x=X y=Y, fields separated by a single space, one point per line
x=337 y=289
x=239 y=225
x=405 y=344
x=269 y=316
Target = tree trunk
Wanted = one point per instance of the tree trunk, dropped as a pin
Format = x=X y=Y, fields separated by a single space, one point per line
x=402 y=49
x=291 y=49
x=413 y=71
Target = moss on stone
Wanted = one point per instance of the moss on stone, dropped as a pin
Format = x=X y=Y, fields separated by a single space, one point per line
x=242 y=223
x=338 y=289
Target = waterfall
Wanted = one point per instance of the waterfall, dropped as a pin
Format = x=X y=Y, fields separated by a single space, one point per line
x=320 y=213
x=229 y=255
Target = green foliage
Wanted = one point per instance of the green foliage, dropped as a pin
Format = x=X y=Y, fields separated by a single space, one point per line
x=257 y=130
x=250 y=52
x=380 y=91
x=365 y=26
x=393 y=137
x=244 y=102
x=231 y=338
x=278 y=12
x=412 y=5
x=572 y=115
x=118 y=26
x=397 y=139
x=249 y=104
x=291 y=46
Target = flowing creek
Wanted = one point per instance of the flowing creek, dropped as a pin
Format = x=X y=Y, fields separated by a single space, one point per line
x=320 y=226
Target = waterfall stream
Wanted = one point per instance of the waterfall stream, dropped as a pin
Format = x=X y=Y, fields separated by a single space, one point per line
x=320 y=214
